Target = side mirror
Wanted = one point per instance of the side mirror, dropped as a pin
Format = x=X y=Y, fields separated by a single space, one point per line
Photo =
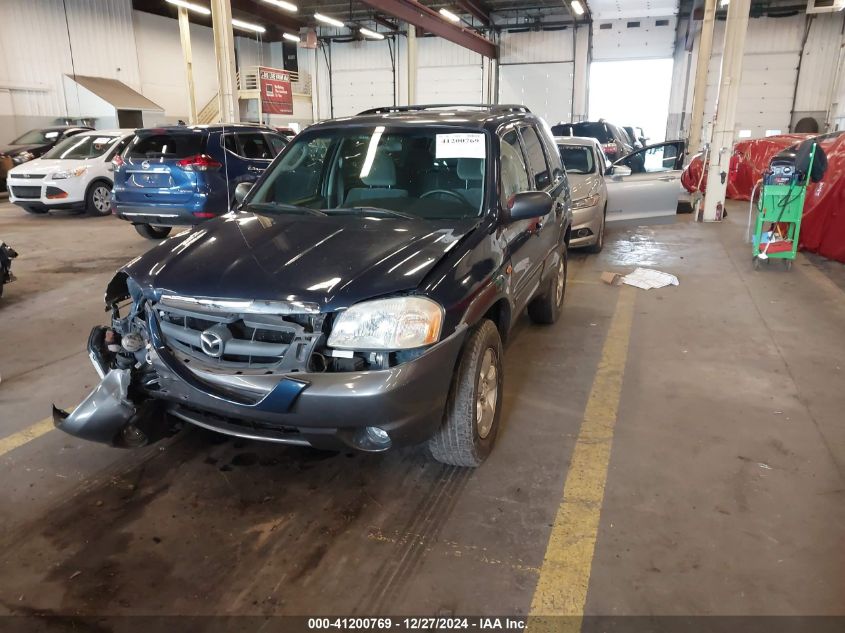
x=529 y=204
x=241 y=190
x=620 y=170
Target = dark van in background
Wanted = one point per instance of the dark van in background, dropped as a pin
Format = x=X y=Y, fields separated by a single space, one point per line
x=182 y=175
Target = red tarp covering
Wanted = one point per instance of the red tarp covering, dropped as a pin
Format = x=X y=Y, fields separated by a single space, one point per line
x=823 y=226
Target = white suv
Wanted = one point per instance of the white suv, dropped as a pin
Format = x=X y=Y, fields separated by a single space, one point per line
x=75 y=174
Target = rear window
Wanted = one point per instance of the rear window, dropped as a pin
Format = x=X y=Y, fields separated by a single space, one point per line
x=594 y=130
x=167 y=145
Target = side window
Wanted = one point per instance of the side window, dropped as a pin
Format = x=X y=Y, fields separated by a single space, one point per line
x=552 y=154
x=118 y=148
x=254 y=145
x=277 y=143
x=514 y=176
x=536 y=158
x=653 y=160
x=230 y=142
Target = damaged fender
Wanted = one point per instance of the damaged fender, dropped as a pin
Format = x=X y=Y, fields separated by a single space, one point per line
x=108 y=416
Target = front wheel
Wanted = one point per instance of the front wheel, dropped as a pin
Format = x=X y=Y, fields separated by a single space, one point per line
x=153 y=232
x=98 y=199
x=596 y=248
x=471 y=419
x=545 y=309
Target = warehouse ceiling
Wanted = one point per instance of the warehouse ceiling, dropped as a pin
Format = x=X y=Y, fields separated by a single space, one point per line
x=478 y=15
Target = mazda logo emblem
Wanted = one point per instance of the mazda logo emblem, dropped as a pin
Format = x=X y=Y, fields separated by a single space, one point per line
x=212 y=344
x=145 y=164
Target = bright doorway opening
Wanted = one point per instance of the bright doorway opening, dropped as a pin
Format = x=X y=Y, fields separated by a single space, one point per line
x=632 y=93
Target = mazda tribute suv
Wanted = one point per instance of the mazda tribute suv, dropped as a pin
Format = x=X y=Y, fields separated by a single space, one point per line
x=357 y=296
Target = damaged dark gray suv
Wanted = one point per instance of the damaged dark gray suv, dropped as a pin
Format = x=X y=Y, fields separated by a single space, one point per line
x=356 y=298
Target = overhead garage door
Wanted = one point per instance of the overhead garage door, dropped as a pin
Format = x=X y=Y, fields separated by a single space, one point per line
x=447 y=73
x=535 y=70
x=546 y=89
x=361 y=78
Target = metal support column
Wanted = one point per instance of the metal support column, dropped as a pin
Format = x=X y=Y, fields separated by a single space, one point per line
x=185 y=35
x=412 y=64
x=721 y=147
x=224 y=52
x=699 y=95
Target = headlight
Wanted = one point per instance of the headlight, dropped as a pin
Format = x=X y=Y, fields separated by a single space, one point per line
x=583 y=203
x=17 y=159
x=398 y=323
x=70 y=173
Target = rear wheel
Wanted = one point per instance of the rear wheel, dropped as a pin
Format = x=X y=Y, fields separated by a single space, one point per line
x=98 y=199
x=33 y=210
x=545 y=309
x=153 y=232
x=471 y=419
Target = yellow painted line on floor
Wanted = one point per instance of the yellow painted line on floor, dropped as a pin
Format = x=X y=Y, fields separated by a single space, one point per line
x=16 y=440
x=565 y=573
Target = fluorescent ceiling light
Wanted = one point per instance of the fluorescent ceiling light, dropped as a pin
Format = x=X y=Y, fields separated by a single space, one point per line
x=290 y=37
x=577 y=7
x=449 y=15
x=328 y=20
x=246 y=26
x=372 y=34
x=287 y=6
x=191 y=6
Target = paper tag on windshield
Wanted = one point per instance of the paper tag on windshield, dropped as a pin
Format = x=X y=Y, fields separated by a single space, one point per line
x=100 y=140
x=464 y=145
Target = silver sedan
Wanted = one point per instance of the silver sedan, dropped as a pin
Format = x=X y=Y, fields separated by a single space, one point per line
x=585 y=166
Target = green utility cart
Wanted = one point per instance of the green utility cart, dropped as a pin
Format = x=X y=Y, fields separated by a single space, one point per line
x=780 y=207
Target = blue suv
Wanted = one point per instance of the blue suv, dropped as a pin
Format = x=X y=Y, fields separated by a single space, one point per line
x=180 y=175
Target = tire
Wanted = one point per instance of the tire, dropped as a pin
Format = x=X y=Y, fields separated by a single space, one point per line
x=596 y=248
x=465 y=438
x=545 y=309
x=98 y=199
x=153 y=232
x=33 y=210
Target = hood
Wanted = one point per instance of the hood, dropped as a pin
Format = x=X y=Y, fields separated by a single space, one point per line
x=331 y=261
x=11 y=150
x=583 y=185
x=46 y=166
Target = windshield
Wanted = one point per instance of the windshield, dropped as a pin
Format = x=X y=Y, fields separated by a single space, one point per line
x=37 y=137
x=81 y=147
x=578 y=159
x=425 y=172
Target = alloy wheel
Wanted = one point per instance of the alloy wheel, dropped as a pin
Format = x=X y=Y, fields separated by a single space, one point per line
x=488 y=393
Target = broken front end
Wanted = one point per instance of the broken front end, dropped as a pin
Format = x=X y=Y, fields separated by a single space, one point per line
x=252 y=369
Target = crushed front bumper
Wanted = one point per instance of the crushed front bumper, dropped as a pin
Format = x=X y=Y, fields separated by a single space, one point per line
x=328 y=410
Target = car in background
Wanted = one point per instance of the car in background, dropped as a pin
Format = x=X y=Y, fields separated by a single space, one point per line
x=183 y=175
x=75 y=174
x=356 y=298
x=33 y=144
x=7 y=254
x=614 y=141
x=585 y=165
x=637 y=136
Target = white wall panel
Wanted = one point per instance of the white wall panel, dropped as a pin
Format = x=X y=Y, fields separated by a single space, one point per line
x=616 y=40
x=536 y=46
x=545 y=88
x=618 y=9
x=447 y=73
x=101 y=37
x=361 y=77
x=819 y=63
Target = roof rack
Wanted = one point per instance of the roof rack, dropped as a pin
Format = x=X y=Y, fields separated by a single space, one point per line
x=490 y=107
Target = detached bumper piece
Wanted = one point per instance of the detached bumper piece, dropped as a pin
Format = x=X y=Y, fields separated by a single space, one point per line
x=109 y=417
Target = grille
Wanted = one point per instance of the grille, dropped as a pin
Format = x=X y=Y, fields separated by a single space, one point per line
x=26 y=192
x=30 y=176
x=238 y=341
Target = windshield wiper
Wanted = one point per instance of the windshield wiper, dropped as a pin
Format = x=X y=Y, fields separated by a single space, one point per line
x=396 y=214
x=282 y=207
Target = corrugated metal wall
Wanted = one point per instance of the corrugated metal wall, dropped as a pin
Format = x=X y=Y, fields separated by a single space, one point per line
x=101 y=37
x=770 y=68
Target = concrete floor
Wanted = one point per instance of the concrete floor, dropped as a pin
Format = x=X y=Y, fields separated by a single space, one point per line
x=723 y=495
